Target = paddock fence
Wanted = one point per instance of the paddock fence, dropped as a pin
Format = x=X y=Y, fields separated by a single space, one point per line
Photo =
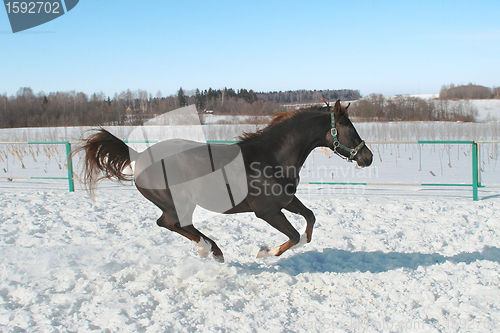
x=19 y=153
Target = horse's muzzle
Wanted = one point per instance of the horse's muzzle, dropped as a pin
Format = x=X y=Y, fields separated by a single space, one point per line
x=364 y=158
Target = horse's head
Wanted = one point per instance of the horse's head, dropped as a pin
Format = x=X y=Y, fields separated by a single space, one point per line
x=344 y=139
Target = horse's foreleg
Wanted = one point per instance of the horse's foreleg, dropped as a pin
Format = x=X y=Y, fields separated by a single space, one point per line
x=297 y=207
x=278 y=220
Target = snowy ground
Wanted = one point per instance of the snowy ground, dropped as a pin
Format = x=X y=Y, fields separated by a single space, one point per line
x=381 y=259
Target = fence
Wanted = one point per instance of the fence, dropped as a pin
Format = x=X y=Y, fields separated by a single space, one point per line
x=475 y=172
x=69 y=161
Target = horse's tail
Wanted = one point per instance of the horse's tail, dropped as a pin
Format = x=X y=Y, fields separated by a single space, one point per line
x=106 y=157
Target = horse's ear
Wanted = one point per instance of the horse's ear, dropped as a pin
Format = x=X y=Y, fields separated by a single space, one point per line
x=324 y=100
x=347 y=107
x=337 y=108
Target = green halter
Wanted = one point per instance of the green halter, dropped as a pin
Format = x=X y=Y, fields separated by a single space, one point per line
x=337 y=144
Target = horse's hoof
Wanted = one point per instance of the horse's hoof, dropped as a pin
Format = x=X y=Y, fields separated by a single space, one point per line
x=219 y=258
x=265 y=252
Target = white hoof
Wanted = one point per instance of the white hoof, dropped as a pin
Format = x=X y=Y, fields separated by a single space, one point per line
x=265 y=252
x=203 y=248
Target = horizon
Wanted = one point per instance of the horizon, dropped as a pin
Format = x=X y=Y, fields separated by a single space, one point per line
x=387 y=48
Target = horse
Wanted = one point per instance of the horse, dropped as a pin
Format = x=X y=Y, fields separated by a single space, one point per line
x=265 y=182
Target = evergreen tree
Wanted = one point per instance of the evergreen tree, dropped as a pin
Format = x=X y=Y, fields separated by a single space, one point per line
x=198 y=99
x=181 y=97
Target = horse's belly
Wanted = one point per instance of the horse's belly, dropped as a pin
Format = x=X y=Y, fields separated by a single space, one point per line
x=217 y=191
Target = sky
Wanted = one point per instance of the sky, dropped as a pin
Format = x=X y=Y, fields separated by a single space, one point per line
x=383 y=47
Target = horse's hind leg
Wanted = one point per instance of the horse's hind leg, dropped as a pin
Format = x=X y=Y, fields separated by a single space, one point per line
x=278 y=220
x=205 y=244
x=297 y=207
x=216 y=251
x=170 y=220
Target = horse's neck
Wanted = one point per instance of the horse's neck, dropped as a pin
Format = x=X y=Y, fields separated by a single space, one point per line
x=301 y=139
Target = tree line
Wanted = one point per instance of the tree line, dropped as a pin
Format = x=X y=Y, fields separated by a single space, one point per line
x=470 y=91
x=408 y=108
x=203 y=98
x=29 y=109
x=307 y=96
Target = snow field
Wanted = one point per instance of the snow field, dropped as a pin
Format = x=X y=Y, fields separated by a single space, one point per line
x=386 y=260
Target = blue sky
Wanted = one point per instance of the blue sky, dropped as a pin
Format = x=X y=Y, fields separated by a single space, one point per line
x=388 y=47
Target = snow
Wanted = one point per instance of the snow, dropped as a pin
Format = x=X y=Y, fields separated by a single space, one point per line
x=382 y=259
x=488 y=109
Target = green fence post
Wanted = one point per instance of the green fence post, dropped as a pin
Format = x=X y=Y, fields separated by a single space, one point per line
x=475 y=181
x=69 y=163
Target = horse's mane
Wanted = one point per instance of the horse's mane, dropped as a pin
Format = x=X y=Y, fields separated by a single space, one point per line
x=279 y=118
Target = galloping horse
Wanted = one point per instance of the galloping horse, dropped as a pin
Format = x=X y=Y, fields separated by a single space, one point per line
x=271 y=161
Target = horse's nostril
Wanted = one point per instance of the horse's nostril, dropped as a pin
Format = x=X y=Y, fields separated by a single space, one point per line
x=369 y=160
x=365 y=160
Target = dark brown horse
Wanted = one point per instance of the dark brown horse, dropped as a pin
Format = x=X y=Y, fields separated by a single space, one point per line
x=270 y=163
